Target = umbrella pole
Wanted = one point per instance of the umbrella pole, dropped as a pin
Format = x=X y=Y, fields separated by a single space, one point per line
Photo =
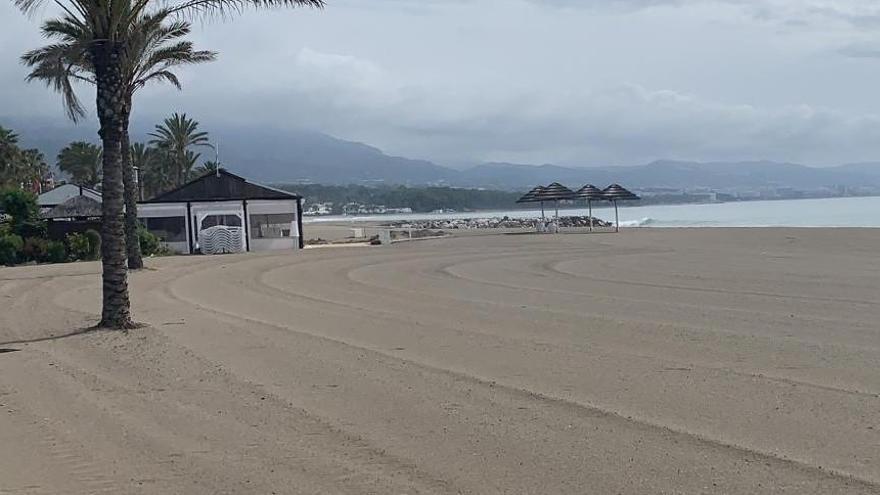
x=616 y=218
x=557 y=216
x=542 y=210
x=590 y=206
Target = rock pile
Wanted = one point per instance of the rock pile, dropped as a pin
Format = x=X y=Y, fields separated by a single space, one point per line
x=494 y=223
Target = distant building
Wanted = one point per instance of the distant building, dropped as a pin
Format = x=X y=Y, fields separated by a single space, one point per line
x=63 y=193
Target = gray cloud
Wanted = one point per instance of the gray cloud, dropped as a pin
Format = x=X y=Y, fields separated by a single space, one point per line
x=586 y=82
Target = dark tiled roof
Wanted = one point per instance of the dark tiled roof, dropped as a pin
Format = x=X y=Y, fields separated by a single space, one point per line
x=220 y=186
x=75 y=207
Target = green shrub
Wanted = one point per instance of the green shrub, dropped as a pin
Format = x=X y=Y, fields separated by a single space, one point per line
x=94 y=244
x=10 y=249
x=150 y=243
x=20 y=205
x=35 y=249
x=81 y=246
x=56 y=252
x=78 y=246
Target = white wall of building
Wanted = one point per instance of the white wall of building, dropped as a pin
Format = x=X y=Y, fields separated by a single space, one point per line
x=198 y=211
x=257 y=207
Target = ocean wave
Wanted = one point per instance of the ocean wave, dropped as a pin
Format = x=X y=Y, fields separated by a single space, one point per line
x=644 y=222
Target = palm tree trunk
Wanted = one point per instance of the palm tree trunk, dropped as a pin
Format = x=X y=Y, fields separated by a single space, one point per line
x=130 y=187
x=111 y=100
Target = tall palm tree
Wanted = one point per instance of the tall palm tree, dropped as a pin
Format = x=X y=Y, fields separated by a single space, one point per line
x=101 y=28
x=82 y=161
x=154 y=47
x=177 y=135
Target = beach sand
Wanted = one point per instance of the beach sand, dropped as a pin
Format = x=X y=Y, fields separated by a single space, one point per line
x=712 y=361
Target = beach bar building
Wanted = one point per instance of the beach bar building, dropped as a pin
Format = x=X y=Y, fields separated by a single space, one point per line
x=270 y=219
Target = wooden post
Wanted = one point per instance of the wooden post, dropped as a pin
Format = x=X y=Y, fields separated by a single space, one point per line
x=616 y=217
x=590 y=206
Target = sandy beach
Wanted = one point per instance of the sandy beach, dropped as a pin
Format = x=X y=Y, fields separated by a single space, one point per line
x=710 y=361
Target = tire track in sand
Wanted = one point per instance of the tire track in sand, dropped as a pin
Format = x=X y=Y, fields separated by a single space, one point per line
x=592 y=409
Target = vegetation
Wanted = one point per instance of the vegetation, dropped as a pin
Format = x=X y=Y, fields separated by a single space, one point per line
x=11 y=246
x=153 y=49
x=80 y=247
x=82 y=162
x=103 y=31
x=150 y=243
x=21 y=168
x=21 y=207
x=420 y=199
x=175 y=138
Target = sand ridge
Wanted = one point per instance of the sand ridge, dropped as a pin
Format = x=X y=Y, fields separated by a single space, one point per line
x=655 y=361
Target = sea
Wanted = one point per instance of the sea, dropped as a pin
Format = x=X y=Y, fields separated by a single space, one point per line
x=830 y=212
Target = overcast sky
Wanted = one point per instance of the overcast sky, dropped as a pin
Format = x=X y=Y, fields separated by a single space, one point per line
x=578 y=82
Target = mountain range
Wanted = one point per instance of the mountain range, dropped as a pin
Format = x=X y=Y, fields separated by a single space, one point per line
x=276 y=156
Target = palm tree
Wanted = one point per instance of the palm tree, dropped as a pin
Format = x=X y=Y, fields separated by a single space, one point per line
x=9 y=157
x=155 y=167
x=210 y=166
x=21 y=169
x=176 y=135
x=101 y=29
x=153 y=49
x=82 y=161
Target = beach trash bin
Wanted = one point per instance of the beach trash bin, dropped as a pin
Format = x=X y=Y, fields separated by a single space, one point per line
x=385 y=237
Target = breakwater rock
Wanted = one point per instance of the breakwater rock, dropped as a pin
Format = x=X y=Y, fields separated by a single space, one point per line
x=494 y=223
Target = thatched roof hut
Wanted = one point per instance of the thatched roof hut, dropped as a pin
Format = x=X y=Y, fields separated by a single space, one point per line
x=77 y=207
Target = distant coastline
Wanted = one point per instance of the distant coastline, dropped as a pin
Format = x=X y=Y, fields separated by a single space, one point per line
x=807 y=212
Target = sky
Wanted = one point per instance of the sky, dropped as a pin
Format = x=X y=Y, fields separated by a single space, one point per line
x=570 y=82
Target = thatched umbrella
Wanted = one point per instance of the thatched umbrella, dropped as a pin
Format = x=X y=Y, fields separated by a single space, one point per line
x=615 y=193
x=590 y=193
x=532 y=197
x=556 y=192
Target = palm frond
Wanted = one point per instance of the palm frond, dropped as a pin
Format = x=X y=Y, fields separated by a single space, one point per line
x=201 y=8
x=158 y=76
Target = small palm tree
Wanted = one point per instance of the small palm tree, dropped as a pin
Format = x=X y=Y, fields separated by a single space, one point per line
x=209 y=166
x=102 y=28
x=154 y=47
x=9 y=156
x=177 y=135
x=82 y=162
x=21 y=169
x=155 y=168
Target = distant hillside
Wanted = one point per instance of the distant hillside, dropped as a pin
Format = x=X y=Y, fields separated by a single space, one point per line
x=676 y=175
x=313 y=157
x=310 y=157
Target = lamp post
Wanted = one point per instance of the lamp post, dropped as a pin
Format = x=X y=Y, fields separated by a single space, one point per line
x=137 y=183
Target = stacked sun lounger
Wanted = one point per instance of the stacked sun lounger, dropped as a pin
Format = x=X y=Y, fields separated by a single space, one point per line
x=221 y=239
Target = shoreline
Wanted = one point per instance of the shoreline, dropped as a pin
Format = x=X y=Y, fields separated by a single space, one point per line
x=834 y=212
